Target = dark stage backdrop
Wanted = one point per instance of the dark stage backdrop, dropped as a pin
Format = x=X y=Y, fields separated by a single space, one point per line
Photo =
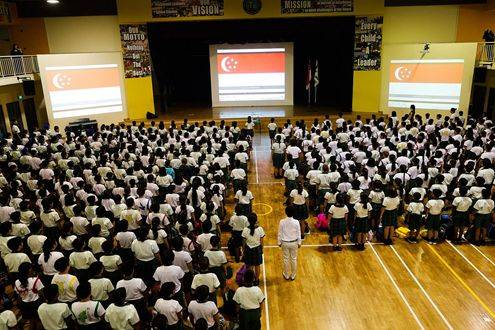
x=180 y=55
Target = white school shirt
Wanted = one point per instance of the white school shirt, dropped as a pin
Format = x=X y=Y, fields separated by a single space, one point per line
x=14 y=260
x=416 y=208
x=134 y=288
x=79 y=225
x=299 y=199
x=462 y=204
x=391 y=203
x=100 y=288
x=145 y=251
x=362 y=210
x=81 y=260
x=435 y=206
x=122 y=317
x=48 y=266
x=208 y=279
x=67 y=285
x=216 y=258
x=338 y=212
x=168 y=308
x=125 y=239
x=182 y=259
x=254 y=240
x=249 y=297
x=206 y=310
x=204 y=241
x=484 y=206
x=53 y=316
x=238 y=222
x=29 y=293
x=244 y=199
x=111 y=263
x=87 y=312
x=170 y=273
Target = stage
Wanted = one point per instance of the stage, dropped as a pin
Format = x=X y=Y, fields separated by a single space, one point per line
x=240 y=114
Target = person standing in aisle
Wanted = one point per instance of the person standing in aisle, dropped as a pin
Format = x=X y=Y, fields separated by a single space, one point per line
x=289 y=239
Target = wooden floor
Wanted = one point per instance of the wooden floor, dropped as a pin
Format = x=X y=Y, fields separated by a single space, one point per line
x=402 y=286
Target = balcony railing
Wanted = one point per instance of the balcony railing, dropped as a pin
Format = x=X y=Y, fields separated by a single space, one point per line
x=11 y=66
x=485 y=56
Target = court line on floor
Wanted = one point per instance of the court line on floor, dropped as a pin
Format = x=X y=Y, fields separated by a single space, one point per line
x=317 y=245
x=442 y=316
x=472 y=265
x=484 y=255
x=256 y=165
x=267 y=312
x=397 y=287
x=464 y=284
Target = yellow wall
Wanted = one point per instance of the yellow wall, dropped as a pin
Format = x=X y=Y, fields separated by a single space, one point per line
x=139 y=94
x=474 y=20
x=84 y=34
x=403 y=25
x=30 y=35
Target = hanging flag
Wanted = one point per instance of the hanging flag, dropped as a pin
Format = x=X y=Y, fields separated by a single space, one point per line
x=308 y=81
x=316 y=80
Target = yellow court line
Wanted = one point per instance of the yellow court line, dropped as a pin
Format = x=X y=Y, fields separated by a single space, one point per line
x=264 y=204
x=464 y=284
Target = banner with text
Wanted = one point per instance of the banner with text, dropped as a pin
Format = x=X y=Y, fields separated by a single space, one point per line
x=368 y=43
x=316 y=6
x=184 y=8
x=135 y=50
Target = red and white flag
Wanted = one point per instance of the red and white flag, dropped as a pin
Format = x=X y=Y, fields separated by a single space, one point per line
x=84 y=90
x=428 y=84
x=251 y=74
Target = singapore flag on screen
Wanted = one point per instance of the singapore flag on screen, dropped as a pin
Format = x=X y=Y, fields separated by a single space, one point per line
x=84 y=90
x=428 y=84
x=251 y=74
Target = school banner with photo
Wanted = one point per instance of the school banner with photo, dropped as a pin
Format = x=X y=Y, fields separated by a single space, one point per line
x=316 y=6
x=135 y=50
x=185 y=8
x=368 y=43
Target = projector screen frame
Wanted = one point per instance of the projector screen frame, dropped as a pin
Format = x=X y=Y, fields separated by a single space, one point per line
x=289 y=74
x=82 y=59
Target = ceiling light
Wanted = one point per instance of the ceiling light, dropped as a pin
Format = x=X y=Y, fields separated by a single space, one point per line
x=52 y=2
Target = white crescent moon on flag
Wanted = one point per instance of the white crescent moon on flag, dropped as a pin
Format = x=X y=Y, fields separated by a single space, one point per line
x=56 y=82
x=397 y=73
x=223 y=64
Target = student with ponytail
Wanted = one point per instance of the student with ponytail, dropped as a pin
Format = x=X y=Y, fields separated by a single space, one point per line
x=253 y=241
x=29 y=286
x=299 y=199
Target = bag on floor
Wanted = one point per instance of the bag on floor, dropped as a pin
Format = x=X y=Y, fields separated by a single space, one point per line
x=239 y=277
x=402 y=232
x=321 y=222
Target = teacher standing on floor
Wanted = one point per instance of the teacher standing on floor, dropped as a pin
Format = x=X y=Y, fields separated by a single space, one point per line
x=289 y=239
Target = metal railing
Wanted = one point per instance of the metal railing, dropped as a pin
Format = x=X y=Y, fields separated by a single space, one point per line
x=485 y=54
x=11 y=66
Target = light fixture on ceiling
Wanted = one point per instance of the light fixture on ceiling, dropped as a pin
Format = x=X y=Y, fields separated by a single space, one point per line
x=52 y=2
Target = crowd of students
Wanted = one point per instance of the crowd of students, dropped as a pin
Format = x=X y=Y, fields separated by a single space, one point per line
x=363 y=179
x=121 y=228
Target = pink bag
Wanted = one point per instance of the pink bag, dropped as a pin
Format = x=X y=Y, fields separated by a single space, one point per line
x=321 y=222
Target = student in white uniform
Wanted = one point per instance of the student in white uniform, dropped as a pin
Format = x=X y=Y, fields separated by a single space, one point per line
x=28 y=286
x=483 y=216
x=66 y=283
x=250 y=299
x=55 y=315
x=169 y=308
x=120 y=314
x=88 y=313
x=460 y=214
x=434 y=208
x=202 y=308
x=253 y=245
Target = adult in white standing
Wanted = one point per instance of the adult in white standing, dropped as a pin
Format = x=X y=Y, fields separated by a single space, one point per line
x=289 y=239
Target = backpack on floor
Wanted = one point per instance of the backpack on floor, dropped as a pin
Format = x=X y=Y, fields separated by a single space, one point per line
x=321 y=222
x=239 y=277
